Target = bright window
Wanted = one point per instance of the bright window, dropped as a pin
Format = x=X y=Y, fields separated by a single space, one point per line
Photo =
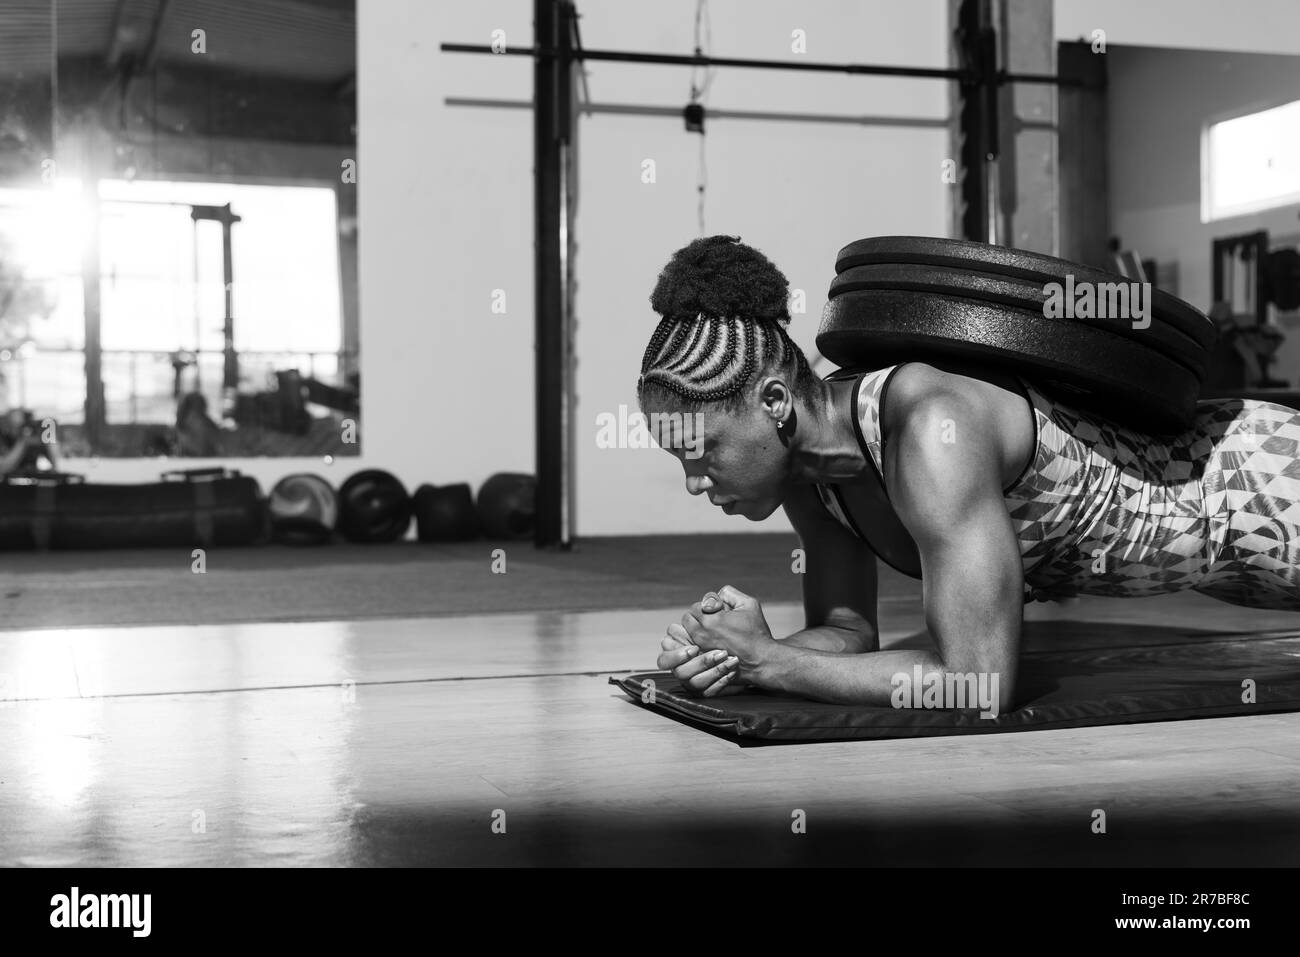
x=163 y=286
x=1251 y=163
x=162 y=291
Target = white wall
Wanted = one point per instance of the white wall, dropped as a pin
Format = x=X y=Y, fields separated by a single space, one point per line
x=798 y=191
x=446 y=217
x=1257 y=26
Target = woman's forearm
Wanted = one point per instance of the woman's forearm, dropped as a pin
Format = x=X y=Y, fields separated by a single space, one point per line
x=867 y=679
x=833 y=639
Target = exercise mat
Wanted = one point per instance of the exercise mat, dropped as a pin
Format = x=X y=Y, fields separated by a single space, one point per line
x=1204 y=677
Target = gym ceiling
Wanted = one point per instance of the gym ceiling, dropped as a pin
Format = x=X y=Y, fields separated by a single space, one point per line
x=310 y=40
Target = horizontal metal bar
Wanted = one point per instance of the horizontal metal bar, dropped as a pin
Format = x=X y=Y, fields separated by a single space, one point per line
x=164 y=353
x=861 y=69
x=147 y=202
x=675 y=112
x=1049 y=79
x=1046 y=125
x=668 y=59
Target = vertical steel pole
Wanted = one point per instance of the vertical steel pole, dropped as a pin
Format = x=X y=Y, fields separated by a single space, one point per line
x=568 y=118
x=977 y=120
x=230 y=370
x=550 y=76
x=96 y=416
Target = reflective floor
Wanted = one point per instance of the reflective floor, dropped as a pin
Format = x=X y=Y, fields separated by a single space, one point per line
x=496 y=740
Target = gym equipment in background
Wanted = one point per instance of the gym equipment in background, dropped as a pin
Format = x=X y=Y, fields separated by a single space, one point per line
x=1129 y=264
x=1248 y=277
x=200 y=507
x=283 y=409
x=373 y=507
x=507 y=505
x=303 y=510
x=901 y=298
x=445 y=514
x=339 y=398
x=1281 y=283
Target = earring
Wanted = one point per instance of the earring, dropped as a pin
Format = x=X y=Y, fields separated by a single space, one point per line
x=780 y=426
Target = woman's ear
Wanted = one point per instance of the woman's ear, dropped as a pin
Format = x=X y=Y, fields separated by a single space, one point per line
x=778 y=400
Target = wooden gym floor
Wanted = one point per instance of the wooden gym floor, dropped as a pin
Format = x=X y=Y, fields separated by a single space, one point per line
x=401 y=740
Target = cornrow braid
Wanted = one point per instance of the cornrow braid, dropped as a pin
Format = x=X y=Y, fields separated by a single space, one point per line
x=707 y=359
x=705 y=350
x=724 y=309
x=667 y=328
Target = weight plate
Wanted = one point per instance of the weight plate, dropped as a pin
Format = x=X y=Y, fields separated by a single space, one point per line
x=964 y=254
x=1086 y=366
x=1021 y=293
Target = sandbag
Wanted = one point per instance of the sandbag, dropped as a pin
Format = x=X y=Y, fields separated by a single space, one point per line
x=198 y=508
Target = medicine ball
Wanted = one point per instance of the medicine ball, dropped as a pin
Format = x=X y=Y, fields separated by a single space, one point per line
x=506 y=505
x=303 y=510
x=373 y=507
x=445 y=514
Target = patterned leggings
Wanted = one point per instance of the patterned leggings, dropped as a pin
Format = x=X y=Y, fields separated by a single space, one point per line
x=1252 y=494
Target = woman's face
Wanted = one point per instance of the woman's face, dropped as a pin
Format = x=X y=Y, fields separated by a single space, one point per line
x=734 y=458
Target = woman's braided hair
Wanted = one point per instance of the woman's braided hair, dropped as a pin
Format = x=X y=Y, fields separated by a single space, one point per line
x=724 y=311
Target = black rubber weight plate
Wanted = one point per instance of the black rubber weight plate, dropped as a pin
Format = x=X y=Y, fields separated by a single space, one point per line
x=1097 y=371
x=1020 y=293
x=1015 y=263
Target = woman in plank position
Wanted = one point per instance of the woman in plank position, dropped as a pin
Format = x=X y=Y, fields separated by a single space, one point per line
x=991 y=492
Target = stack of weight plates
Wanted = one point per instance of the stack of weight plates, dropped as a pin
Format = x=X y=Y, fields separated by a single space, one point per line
x=910 y=298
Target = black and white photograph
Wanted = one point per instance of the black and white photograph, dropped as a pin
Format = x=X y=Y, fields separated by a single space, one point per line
x=612 y=434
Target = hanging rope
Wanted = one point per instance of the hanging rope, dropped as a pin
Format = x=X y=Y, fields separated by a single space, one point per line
x=701 y=80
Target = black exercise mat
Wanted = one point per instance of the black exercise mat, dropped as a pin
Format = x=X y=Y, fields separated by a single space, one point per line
x=1075 y=688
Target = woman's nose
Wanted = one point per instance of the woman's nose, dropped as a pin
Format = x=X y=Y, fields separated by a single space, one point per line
x=698 y=484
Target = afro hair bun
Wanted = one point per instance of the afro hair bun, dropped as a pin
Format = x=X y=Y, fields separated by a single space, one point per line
x=722 y=277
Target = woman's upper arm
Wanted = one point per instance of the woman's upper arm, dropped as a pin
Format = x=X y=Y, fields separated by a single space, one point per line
x=947 y=489
x=839 y=576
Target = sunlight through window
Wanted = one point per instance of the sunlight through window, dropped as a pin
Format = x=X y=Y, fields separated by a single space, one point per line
x=1251 y=163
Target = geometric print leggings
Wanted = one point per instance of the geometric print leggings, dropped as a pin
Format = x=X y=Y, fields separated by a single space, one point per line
x=1252 y=495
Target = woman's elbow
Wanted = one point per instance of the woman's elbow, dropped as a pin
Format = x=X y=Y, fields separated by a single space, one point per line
x=859 y=639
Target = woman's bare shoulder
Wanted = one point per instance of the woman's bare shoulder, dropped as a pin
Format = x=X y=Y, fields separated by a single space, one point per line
x=924 y=395
x=914 y=384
